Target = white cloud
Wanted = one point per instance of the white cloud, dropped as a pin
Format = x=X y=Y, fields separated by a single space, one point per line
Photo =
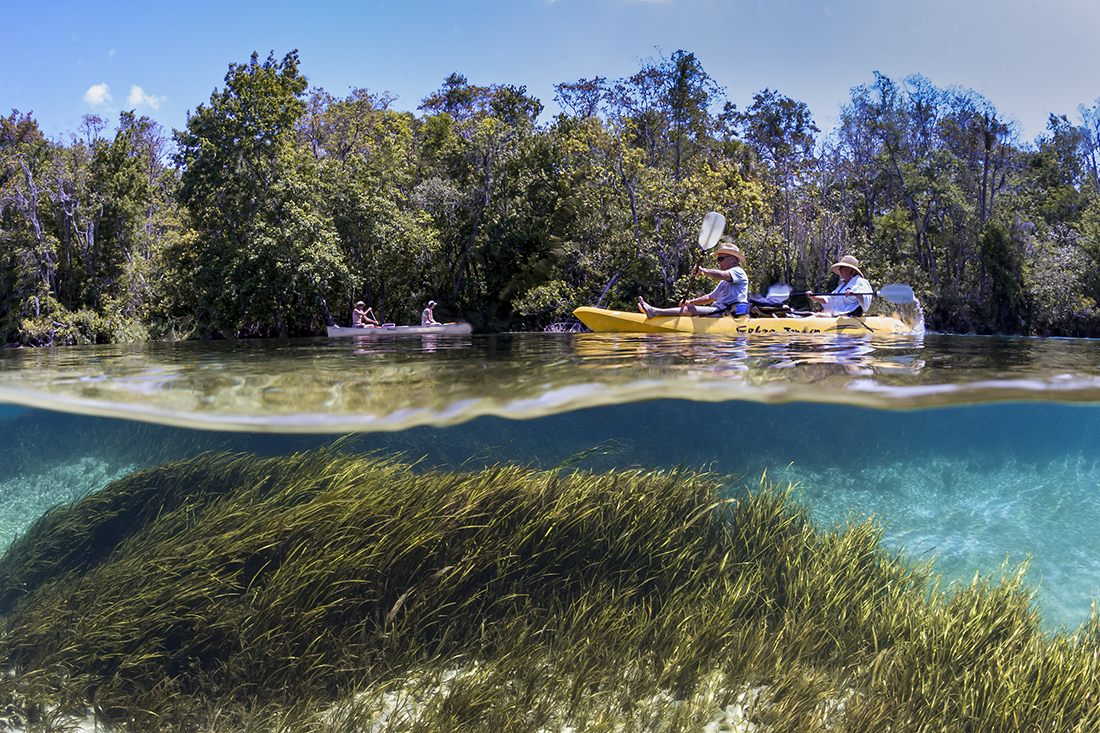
x=98 y=95
x=138 y=97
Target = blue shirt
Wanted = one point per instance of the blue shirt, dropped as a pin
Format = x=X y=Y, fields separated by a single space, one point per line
x=734 y=290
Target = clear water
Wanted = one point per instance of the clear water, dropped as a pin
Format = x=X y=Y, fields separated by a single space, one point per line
x=974 y=452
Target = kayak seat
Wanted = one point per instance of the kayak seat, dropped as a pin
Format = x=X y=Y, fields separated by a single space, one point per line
x=764 y=307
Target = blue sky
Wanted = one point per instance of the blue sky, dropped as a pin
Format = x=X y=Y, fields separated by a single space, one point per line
x=62 y=60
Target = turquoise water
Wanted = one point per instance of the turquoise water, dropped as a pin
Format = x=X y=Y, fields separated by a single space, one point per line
x=972 y=452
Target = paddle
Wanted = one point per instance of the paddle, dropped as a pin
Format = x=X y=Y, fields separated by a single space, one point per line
x=895 y=293
x=709 y=233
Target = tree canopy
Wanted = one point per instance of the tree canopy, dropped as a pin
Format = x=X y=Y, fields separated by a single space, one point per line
x=277 y=206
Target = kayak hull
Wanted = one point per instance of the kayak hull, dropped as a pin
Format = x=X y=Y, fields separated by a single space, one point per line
x=603 y=320
x=449 y=329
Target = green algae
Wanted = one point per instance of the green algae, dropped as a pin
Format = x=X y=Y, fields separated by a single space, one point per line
x=233 y=592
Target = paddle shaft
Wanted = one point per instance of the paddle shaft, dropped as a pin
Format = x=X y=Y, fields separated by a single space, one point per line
x=691 y=280
x=895 y=293
x=839 y=295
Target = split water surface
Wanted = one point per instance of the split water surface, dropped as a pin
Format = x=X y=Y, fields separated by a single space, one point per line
x=978 y=453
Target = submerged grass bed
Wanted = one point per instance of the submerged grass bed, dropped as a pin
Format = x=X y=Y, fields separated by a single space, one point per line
x=330 y=592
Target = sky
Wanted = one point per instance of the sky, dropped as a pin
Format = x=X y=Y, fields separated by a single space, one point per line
x=63 y=60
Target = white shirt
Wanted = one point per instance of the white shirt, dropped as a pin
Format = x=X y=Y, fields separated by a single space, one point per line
x=834 y=305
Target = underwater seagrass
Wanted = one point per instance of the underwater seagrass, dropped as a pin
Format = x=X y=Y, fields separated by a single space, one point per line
x=237 y=592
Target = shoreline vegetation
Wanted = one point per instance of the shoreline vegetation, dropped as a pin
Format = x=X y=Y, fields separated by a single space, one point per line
x=326 y=591
x=276 y=206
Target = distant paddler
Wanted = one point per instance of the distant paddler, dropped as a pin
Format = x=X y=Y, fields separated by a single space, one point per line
x=427 y=316
x=363 y=316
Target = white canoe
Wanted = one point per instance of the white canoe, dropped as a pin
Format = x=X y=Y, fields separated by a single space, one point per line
x=448 y=329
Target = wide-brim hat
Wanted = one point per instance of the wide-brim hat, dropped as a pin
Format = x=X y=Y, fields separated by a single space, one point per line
x=730 y=249
x=846 y=261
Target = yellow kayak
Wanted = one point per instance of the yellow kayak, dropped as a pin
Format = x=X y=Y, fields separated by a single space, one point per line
x=603 y=320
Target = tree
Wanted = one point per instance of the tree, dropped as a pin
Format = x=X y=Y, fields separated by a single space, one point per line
x=80 y=228
x=494 y=178
x=1090 y=142
x=265 y=256
x=28 y=244
x=1003 y=292
x=781 y=131
x=582 y=99
x=1055 y=173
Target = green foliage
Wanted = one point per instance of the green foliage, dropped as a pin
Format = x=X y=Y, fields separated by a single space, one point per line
x=80 y=233
x=390 y=250
x=1002 y=260
x=545 y=305
x=292 y=204
x=265 y=256
x=1058 y=280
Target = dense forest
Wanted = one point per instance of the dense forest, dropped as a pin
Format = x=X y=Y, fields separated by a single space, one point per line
x=278 y=205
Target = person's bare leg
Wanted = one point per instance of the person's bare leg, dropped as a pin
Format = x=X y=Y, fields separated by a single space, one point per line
x=651 y=312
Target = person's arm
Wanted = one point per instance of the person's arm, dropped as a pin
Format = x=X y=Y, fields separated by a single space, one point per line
x=863 y=292
x=714 y=273
x=848 y=296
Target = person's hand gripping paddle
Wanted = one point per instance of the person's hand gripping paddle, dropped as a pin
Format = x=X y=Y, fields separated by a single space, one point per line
x=709 y=234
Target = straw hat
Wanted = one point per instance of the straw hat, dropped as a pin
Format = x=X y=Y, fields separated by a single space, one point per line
x=729 y=248
x=846 y=261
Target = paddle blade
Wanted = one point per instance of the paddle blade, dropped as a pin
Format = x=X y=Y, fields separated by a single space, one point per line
x=779 y=291
x=897 y=293
x=713 y=226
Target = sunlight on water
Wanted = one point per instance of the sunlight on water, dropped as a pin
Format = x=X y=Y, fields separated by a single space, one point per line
x=973 y=519
x=352 y=385
x=26 y=497
x=971 y=451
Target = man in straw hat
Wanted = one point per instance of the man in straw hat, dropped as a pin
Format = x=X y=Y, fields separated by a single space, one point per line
x=730 y=296
x=853 y=293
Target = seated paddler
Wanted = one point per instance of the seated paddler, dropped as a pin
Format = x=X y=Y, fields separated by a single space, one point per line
x=363 y=316
x=729 y=297
x=852 y=295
